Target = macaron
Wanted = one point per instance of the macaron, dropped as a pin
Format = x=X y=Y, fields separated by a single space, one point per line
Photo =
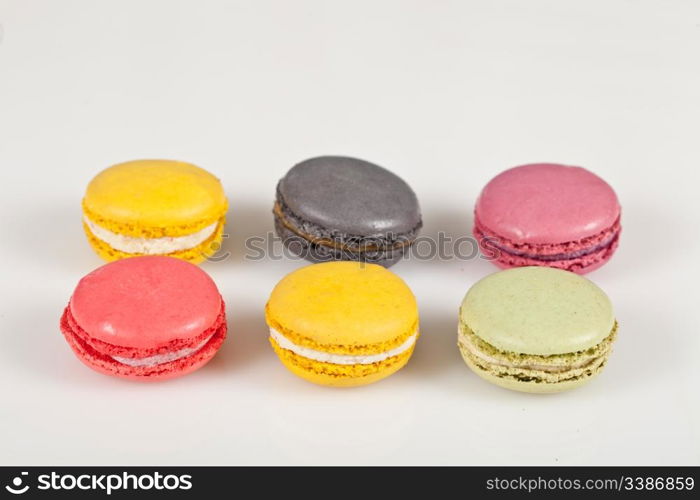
x=536 y=329
x=339 y=208
x=342 y=323
x=547 y=214
x=154 y=207
x=145 y=318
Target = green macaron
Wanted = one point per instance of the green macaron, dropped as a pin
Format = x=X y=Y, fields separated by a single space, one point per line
x=536 y=329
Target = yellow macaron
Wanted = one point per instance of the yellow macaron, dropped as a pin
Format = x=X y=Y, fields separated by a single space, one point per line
x=154 y=207
x=342 y=323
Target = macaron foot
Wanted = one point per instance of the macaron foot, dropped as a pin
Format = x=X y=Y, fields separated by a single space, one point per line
x=194 y=255
x=522 y=384
x=317 y=253
x=107 y=365
x=335 y=375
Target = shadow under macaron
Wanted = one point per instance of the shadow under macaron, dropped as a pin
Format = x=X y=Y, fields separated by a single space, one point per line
x=250 y=239
x=436 y=349
x=50 y=236
x=37 y=348
x=446 y=242
x=649 y=239
x=245 y=345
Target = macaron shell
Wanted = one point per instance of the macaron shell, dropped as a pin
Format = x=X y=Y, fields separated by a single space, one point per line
x=145 y=302
x=343 y=307
x=350 y=196
x=194 y=255
x=177 y=197
x=547 y=203
x=538 y=310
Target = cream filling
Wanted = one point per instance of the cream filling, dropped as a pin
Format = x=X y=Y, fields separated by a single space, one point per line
x=499 y=362
x=341 y=359
x=150 y=246
x=159 y=359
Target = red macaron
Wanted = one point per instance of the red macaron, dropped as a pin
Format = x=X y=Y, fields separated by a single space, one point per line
x=145 y=318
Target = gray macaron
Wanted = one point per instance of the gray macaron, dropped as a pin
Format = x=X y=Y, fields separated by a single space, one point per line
x=340 y=208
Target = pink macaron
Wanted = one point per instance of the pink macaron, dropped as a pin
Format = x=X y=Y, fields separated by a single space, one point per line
x=145 y=318
x=546 y=214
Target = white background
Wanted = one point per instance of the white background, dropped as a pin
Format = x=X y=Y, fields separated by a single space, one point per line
x=446 y=94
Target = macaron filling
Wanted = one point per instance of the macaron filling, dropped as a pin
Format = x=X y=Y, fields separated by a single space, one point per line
x=150 y=246
x=342 y=359
x=166 y=357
